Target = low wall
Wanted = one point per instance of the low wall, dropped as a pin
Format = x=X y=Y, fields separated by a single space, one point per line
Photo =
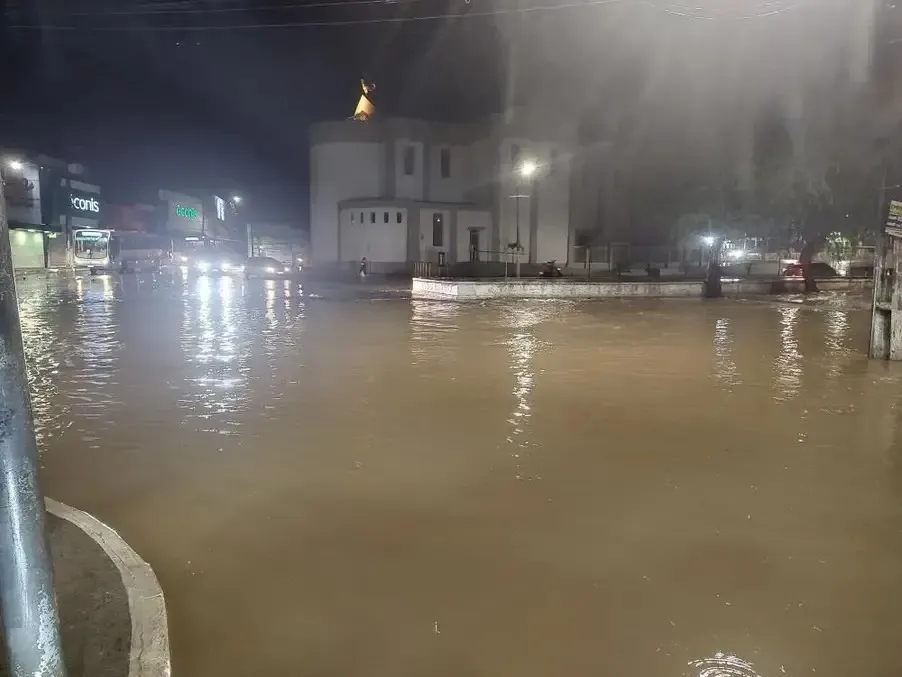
x=568 y=289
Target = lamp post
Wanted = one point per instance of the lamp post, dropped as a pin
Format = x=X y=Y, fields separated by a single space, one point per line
x=27 y=600
x=525 y=171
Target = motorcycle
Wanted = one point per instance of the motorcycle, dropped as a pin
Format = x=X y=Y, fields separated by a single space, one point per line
x=551 y=270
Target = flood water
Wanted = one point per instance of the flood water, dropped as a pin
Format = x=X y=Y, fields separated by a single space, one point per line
x=369 y=486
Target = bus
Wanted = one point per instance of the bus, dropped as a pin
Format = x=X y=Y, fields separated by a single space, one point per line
x=133 y=251
x=99 y=250
x=91 y=248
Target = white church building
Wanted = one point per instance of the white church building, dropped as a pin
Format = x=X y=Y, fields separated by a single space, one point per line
x=400 y=191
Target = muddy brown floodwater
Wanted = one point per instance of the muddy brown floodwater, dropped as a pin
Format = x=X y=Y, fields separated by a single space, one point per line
x=368 y=486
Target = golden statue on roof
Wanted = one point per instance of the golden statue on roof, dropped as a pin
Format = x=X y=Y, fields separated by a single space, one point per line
x=365 y=108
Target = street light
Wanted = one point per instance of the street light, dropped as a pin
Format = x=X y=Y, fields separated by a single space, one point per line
x=708 y=240
x=15 y=165
x=527 y=168
x=236 y=199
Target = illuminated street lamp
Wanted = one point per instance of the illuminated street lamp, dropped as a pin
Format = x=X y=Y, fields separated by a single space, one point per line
x=527 y=168
x=15 y=165
x=236 y=199
x=708 y=240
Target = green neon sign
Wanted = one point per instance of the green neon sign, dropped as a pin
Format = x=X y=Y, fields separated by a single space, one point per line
x=189 y=213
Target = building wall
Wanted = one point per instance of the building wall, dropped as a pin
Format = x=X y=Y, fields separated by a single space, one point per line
x=27 y=248
x=184 y=214
x=58 y=248
x=428 y=251
x=23 y=195
x=355 y=161
x=409 y=186
x=339 y=171
x=452 y=188
x=381 y=236
x=552 y=197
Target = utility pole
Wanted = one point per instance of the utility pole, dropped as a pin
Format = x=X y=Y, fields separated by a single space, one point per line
x=30 y=620
x=886 y=309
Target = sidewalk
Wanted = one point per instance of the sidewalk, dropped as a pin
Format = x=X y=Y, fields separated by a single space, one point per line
x=112 y=617
x=93 y=604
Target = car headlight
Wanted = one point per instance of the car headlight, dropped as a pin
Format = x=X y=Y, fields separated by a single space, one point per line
x=287 y=269
x=270 y=269
x=203 y=265
x=225 y=265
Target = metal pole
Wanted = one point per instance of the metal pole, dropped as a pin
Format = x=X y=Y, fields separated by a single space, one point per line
x=517 y=252
x=27 y=599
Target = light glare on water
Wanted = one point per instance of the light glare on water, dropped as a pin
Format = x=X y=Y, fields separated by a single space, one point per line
x=360 y=484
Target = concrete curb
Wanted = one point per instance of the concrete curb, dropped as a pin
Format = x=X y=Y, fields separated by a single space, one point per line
x=149 y=655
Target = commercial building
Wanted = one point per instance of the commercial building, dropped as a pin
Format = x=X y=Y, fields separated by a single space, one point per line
x=400 y=191
x=208 y=220
x=46 y=200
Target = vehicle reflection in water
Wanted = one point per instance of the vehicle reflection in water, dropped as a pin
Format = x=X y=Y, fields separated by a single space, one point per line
x=327 y=484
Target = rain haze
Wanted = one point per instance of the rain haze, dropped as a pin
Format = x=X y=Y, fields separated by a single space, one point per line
x=251 y=352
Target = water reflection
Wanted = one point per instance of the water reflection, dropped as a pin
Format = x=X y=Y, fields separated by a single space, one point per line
x=788 y=365
x=521 y=348
x=837 y=329
x=95 y=348
x=431 y=324
x=725 y=369
x=212 y=340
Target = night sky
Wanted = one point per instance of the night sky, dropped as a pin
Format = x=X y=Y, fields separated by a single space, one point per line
x=227 y=110
x=201 y=95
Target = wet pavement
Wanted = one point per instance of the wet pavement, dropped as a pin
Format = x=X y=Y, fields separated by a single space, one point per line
x=373 y=486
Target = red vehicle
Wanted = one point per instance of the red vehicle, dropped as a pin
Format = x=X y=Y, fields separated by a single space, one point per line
x=818 y=269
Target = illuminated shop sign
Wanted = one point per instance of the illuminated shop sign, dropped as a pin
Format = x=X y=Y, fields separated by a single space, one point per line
x=84 y=204
x=90 y=234
x=220 y=207
x=190 y=213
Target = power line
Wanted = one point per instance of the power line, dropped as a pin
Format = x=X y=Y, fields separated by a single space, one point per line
x=768 y=9
x=673 y=9
x=323 y=24
x=223 y=10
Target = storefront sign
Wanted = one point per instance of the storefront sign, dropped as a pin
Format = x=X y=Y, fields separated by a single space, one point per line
x=84 y=204
x=190 y=213
x=220 y=207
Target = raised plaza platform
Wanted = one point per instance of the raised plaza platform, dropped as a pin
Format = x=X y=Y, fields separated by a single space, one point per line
x=568 y=288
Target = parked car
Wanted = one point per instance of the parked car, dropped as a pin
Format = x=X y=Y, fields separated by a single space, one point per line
x=267 y=267
x=817 y=268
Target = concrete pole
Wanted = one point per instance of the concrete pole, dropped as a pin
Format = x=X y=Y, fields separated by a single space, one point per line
x=27 y=599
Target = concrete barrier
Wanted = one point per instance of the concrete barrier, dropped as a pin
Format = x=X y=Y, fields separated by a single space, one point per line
x=475 y=290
